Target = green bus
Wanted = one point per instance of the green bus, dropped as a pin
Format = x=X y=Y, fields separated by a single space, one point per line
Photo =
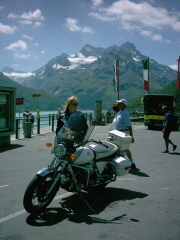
x=153 y=115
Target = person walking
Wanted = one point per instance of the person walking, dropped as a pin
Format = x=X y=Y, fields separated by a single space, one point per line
x=122 y=122
x=167 y=128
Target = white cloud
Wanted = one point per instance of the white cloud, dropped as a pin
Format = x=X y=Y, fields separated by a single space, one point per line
x=15 y=65
x=37 y=24
x=13 y=16
x=155 y=37
x=26 y=22
x=174 y=67
x=102 y=17
x=27 y=37
x=176 y=26
x=20 y=55
x=19 y=45
x=30 y=16
x=71 y=23
x=96 y=3
x=36 y=15
x=138 y=17
x=7 y=29
x=142 y=13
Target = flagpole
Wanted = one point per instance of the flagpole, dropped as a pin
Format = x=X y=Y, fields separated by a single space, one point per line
x=148 y=78
x=118 y=77
x=178 y=76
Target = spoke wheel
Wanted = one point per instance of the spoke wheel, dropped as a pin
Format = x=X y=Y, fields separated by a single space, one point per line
x=36 y=198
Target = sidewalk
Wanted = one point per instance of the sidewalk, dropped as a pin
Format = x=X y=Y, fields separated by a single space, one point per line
x=43 y=130
x=48 y=129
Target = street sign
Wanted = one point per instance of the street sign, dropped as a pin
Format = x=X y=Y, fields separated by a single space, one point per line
x=19 y=101
x=36 y=95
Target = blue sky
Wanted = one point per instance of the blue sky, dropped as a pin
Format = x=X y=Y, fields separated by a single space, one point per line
x=32 y=32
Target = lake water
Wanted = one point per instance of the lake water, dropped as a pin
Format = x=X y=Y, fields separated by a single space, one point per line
x=45 y=113
x=44 y=116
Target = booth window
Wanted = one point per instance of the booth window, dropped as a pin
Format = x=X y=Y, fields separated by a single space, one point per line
x=4 y=111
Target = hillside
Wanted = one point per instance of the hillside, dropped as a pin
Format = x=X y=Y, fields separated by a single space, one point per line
x=89 y=75
x=46 y=101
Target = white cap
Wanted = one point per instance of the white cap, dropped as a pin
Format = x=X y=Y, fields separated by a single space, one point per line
x=122 y=101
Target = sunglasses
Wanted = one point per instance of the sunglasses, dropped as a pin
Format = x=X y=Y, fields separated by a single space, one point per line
x=74 y=104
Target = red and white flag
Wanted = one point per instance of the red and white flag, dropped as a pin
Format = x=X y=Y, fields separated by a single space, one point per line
x=146 y=74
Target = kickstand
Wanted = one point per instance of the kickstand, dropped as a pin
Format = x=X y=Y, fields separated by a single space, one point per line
x=87 y=203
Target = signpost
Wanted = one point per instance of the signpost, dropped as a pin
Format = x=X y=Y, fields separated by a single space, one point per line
x=19 y=101
x=37 y=104
x=38 y=112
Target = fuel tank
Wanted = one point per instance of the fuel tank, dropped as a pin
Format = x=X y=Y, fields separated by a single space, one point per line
x=95 y=152
x=84 y=155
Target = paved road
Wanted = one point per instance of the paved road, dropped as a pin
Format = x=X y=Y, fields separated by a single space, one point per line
x=144 y=204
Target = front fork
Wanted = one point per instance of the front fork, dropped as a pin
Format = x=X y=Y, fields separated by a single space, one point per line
x=52 y=170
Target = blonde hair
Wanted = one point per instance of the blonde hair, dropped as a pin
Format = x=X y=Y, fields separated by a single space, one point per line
x=68 y=102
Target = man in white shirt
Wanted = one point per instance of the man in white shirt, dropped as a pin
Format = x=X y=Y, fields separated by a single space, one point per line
x=122 y=123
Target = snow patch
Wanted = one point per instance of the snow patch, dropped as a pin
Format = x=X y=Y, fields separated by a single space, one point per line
x=137 y=59
x=58 y=66
x=19 y=75
x=75 y=61
x=81 y=59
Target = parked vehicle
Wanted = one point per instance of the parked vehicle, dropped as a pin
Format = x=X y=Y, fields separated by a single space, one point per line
x=153 y=103
x=80 y=164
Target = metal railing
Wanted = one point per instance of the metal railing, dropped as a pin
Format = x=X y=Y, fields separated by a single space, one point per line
x=50 y=120
x=43 y=121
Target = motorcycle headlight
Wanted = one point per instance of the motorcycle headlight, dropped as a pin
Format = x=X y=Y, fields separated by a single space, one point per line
x=59 y=150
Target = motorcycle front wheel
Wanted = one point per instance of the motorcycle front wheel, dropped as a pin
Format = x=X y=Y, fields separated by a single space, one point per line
x=35 y=197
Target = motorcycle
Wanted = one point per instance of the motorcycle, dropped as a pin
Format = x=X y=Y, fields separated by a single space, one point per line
x=80 y=164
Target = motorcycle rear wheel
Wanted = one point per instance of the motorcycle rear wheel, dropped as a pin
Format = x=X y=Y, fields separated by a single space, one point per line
x=35 y=199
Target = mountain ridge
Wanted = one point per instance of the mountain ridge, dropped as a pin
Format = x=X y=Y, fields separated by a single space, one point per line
x=89 y=75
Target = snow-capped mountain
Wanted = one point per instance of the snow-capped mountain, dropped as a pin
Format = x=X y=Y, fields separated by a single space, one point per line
x=89 y=74
x=17 y=76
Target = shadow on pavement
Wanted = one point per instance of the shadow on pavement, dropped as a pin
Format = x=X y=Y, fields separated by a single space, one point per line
x=174 y=153
x=49 y=217
x=138 y=172
x=10 y=147
x=75 y=209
